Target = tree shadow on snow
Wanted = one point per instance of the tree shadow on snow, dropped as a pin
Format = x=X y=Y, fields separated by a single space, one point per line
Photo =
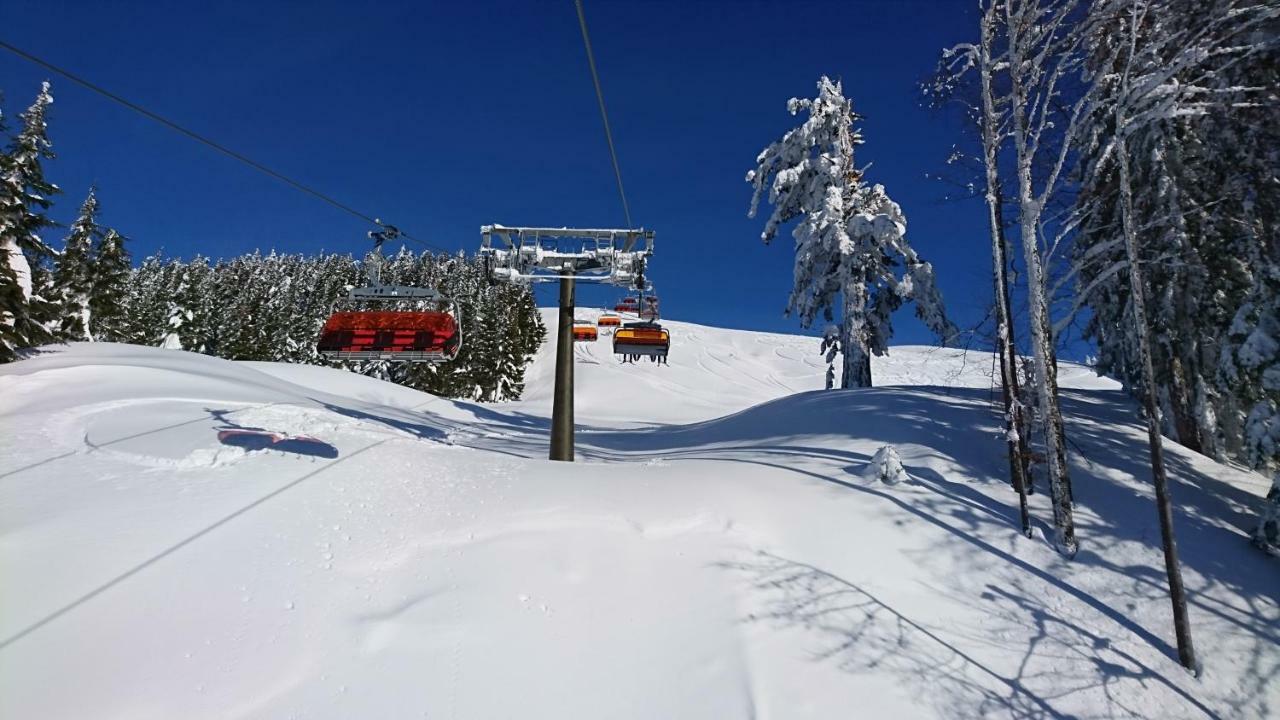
x=861 y=632
x=1213 y=519
x=1119 y=568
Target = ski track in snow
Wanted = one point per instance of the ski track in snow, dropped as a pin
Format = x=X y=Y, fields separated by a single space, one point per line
x=716 y=551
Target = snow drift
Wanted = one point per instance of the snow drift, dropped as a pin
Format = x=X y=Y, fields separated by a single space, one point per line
x=716 y=551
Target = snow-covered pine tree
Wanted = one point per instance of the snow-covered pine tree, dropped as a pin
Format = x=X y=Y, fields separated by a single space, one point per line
x=1154 y=76
x=73 y=271
x=13 y=298
x=850 y=237
x=1201 y=175
x=1199 y=143
x=1250 y=363
x=24 y=198
x=109 y=290
x=145 y=304
x=529 y=333
x=194 y=318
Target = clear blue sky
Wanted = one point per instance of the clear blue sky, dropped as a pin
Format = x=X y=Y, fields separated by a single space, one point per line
x=442 y=116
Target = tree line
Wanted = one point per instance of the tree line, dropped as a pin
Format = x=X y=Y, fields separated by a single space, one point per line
x=272 y=308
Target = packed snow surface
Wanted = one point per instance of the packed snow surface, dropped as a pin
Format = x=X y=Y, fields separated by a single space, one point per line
x=718 y=551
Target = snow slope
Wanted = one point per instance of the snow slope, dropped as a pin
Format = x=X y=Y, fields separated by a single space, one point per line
x=715 y=553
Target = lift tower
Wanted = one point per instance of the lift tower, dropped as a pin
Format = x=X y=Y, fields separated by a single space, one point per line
x=568 y=255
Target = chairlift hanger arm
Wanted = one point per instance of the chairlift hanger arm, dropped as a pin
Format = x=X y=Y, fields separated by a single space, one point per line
x=395 y=292
x=533 y=254
x=629 y=238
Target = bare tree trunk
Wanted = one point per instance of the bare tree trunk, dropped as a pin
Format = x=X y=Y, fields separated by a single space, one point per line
x=1015 y=434
x=1182 y=403
x=1177 y=593
x=1062 y=430
x=1019 y=24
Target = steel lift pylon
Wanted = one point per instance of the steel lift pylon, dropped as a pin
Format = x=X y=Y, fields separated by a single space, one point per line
x=566 y=255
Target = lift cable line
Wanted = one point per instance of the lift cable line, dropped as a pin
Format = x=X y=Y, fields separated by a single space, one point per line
x=608 y=134
x=210 y=143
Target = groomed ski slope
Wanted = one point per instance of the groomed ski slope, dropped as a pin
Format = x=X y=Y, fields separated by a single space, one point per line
x=716 y=553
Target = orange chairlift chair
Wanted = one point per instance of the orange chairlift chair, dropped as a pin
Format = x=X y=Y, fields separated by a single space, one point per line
x=635 y=340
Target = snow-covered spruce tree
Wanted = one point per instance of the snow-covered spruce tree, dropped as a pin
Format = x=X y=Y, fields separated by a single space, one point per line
x=850 y=237
x=193 y=318
x=1251 y=364
x=109 y=289
x=24 y=198
x=528 y=334
x=73 y=271
x=1202 y=160
x=1198 y=143
x=13 y=296
x=145 y=305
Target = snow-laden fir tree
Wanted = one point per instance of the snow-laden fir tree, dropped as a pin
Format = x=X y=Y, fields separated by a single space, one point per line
x=1250 y=363
x=109 y=290
x=13 y=296
x=1199 y=143
x=850 y=238
x=1202 y=157
x=24 y=198
x=73 y=271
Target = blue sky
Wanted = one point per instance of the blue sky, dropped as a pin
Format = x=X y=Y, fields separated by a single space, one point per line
x=442 y=116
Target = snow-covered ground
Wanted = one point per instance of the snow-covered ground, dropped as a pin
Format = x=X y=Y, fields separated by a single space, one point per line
x=716 y=553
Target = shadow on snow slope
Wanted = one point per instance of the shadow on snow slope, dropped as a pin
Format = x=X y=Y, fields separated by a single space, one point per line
x=952 y=447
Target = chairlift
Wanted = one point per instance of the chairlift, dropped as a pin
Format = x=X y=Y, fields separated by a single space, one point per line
x=648 y=339
x=380 y=327
x=584 y=332
x=609 y=320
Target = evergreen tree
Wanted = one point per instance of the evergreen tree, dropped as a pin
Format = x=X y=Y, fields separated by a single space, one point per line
x=1197 y=143
x=145 y=304
x=109 y=290
x=13 y=299
x=850 y=237
x=24 y=198
x=73 y=273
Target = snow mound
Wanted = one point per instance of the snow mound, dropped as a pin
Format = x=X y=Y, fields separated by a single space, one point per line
x=715 y=552
x=886 y=467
